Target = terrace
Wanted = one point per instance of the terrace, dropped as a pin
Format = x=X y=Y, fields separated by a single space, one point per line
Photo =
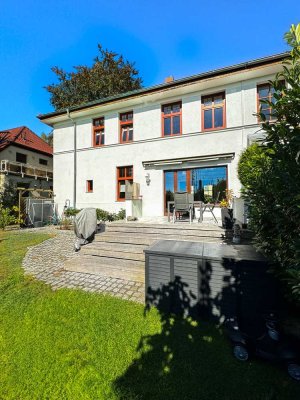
x=17 y=168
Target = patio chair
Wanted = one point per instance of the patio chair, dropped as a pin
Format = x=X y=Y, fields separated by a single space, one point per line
x=182 y=204
x=209 y=207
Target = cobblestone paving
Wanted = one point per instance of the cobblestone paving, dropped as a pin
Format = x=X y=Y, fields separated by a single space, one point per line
x=45 y=261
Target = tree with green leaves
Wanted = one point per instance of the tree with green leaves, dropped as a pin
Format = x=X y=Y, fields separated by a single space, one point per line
x=270 y=173
x=109 y=75
x=8 y=194
x=48 y=138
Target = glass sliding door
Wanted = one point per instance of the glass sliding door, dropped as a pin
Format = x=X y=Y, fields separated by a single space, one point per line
x=205 y=183
x=176 y=181
x=181 y=181
x=169 y=187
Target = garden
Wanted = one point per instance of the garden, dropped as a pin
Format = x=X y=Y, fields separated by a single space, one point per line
x=69 y=344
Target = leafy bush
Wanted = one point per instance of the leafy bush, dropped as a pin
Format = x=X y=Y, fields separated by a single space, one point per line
x=270 y=174
x=121 y=214
x=107 y=216
x=66 y=223
x=70 y=212
x=101 y=214
x=8 y=216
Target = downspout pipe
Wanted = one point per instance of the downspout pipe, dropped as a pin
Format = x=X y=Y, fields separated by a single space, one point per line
x=75 y=157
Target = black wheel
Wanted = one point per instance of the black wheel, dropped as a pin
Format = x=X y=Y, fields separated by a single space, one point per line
x=294 y=371
x=240 y=352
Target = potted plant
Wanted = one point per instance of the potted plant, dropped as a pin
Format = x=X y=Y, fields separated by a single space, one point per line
x=227 y=210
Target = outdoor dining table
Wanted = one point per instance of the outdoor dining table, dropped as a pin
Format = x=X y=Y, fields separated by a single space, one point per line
x=196 y=203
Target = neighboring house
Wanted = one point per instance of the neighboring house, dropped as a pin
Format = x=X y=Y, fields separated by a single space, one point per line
x=25 y=159
x=185 y=134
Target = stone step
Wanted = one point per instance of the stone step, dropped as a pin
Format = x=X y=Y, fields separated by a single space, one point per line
x=95 y=265
x=167 y=232
x=124 y=255
x=163 y=231
x=124 y=239
x=116 y=246
x=148 y=239
x=178 y=225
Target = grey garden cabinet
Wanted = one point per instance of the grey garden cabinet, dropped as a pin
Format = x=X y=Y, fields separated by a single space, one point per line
x=208 y=279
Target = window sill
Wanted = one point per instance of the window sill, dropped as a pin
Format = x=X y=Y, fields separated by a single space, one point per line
x=173 y=135
x=214 y=129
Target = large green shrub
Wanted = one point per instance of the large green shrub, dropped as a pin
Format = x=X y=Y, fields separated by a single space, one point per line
x=8 y=216
x=270 y=174
x=107 y=216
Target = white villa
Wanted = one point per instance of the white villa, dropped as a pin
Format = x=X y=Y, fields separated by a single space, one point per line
x=182 y=135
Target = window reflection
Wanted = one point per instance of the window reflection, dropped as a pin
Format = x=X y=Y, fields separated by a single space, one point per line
x=208 y=182
x=204 y=183
x=169 y=187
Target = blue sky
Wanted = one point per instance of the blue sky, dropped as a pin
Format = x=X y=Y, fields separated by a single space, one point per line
x=178 y=38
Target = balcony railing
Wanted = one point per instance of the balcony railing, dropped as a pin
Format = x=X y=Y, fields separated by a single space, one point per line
x=13 y=167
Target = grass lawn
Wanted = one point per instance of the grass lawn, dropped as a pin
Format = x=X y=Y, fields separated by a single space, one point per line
x=74 y=345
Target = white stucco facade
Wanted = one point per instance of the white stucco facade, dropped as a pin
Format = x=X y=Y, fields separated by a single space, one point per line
x=149 y=152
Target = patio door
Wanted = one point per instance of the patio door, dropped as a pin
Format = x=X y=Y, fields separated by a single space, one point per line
x=205 y=182
x=175 y=181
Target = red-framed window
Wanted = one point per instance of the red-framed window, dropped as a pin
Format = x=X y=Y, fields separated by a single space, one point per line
x=266 y=91
x=89 y=186
x=126 y=127
x=171 y=119
x=123 y=174
x=98 y=132
x=213 y=112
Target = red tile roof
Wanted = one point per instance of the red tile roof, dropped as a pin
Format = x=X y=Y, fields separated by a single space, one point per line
x=23 y=136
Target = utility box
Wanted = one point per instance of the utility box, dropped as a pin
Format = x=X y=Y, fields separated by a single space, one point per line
x=212 y=280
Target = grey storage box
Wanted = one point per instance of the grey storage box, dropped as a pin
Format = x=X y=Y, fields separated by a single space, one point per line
x=208 y=279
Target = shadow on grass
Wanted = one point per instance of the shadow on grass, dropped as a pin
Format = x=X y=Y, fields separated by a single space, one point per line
x=192 y=359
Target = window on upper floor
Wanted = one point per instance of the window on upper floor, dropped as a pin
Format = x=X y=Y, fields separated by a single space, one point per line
x=213 y=112
x=21 y=158
x=42 y=161
x=171 y=119
x=266 y=91
x=89 y=186
x=123 y=174
x=126 y=127
x=98 y=132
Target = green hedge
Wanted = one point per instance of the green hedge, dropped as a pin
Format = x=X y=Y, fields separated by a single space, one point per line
x=107 y=216
x=270 y=174
x=101 y=214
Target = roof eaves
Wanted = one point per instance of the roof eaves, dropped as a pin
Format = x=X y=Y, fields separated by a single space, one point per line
x=178 y=82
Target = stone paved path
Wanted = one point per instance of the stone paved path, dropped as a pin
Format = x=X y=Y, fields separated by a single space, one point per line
x=45 y=261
